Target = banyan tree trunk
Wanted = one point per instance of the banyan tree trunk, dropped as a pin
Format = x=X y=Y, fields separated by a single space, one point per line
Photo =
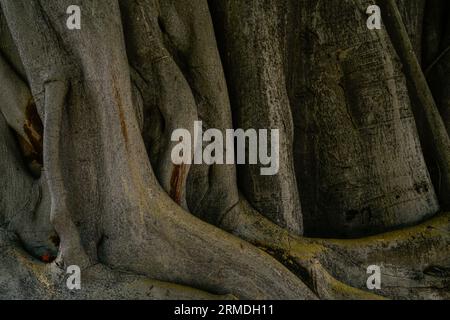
x=87 y=176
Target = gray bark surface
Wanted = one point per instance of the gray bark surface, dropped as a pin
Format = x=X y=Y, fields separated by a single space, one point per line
x=86 y=118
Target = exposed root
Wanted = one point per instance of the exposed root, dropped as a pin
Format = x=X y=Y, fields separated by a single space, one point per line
x=24 y=202
x=24 y=277
x=328 y=287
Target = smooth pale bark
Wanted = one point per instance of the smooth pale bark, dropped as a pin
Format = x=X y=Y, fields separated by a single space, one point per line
x=189 y=33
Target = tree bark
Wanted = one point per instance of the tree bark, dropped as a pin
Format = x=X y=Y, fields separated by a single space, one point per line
x=85 y=141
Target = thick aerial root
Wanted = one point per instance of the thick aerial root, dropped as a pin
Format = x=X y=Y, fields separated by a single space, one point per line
x=260 y=101
x=165 y=93
x=190 y=36
x=70 y=247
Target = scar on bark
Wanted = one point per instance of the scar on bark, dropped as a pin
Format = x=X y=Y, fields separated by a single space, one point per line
x=176 y=183
x=32 y=148
x=118 y=101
